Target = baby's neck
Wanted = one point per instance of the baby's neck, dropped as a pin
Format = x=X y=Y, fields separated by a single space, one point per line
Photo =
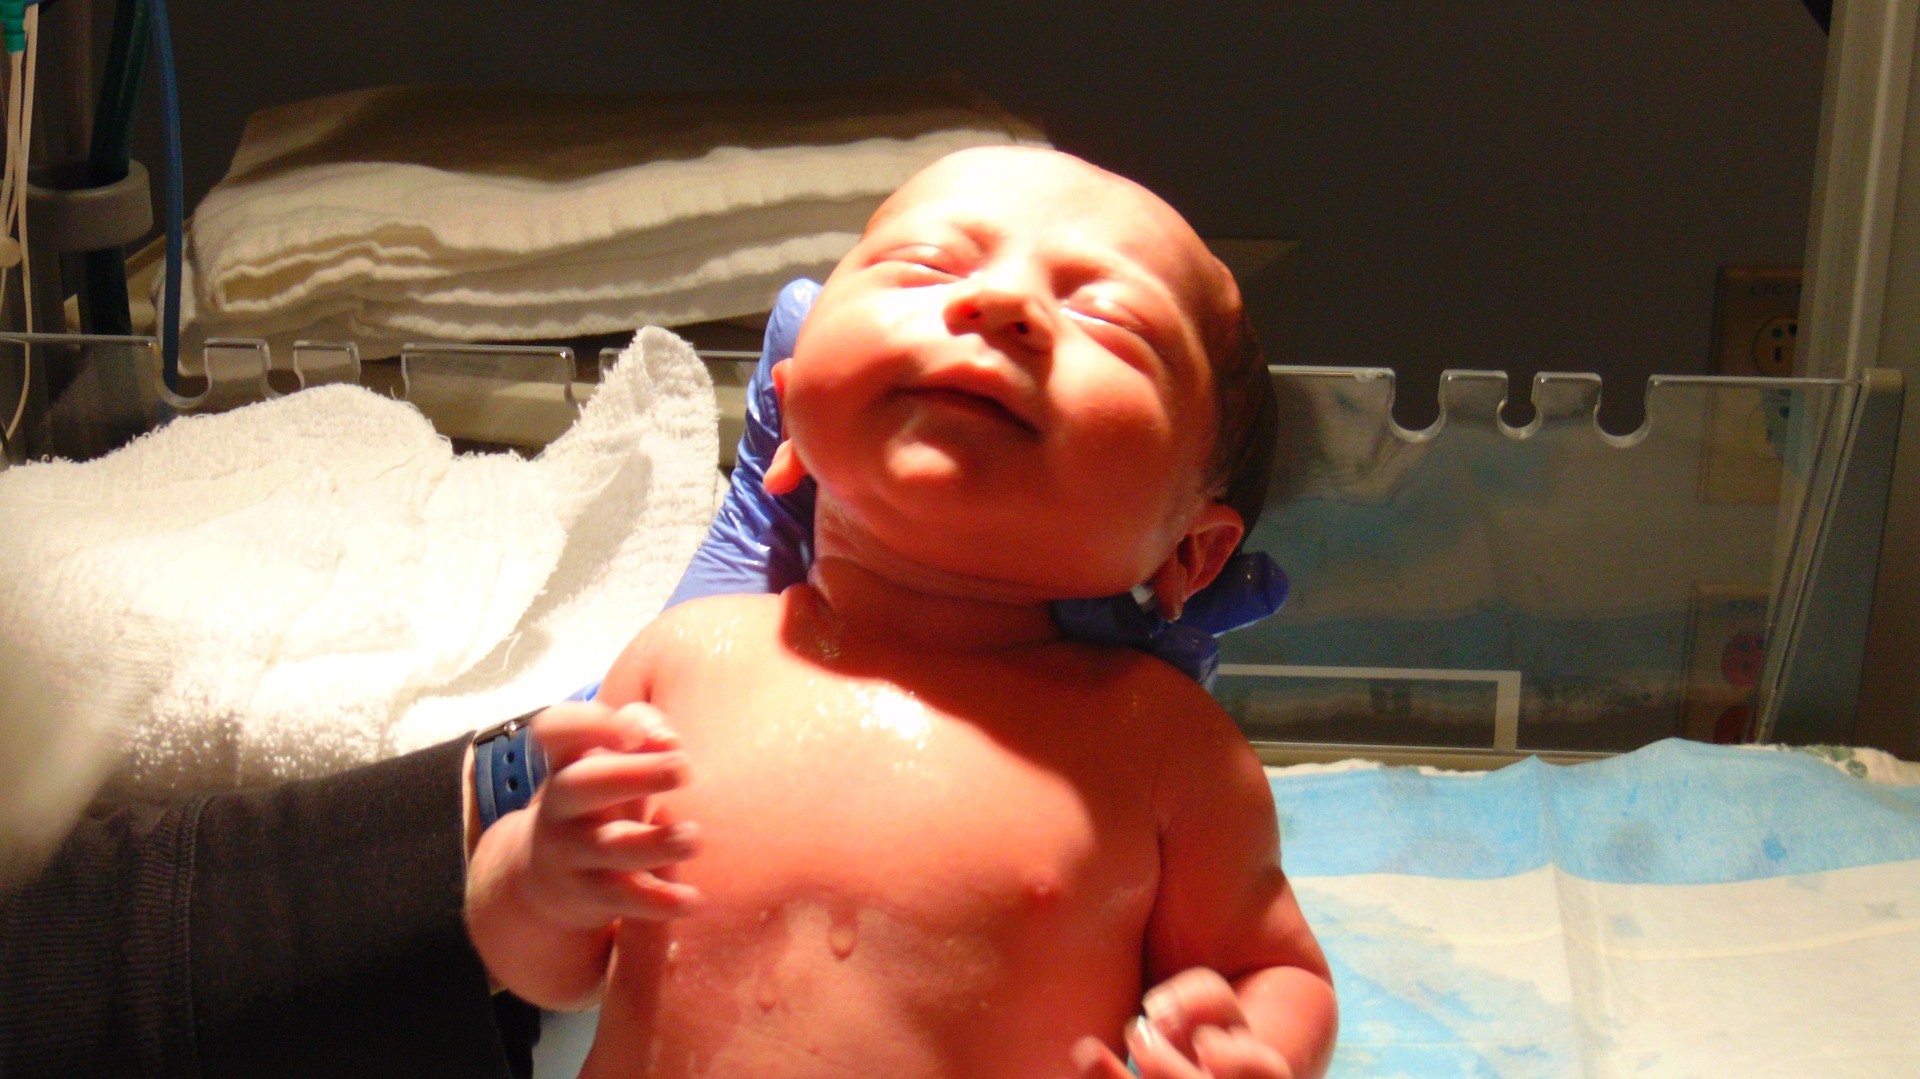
x=862 y=604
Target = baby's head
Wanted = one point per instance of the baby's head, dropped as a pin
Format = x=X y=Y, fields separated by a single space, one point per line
x=1031 y=375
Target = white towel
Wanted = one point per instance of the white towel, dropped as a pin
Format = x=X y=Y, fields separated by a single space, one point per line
x=318 y=581
x=417 y=212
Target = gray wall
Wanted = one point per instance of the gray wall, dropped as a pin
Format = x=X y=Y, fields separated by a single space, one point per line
x=1528 y=185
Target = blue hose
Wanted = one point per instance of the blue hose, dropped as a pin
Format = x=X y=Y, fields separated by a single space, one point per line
x=176 y=210
x=103 y=306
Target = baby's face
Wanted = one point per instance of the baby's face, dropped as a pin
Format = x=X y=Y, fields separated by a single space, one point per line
x=1007 y=378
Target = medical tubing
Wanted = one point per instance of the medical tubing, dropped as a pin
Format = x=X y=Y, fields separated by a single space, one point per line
x=109 y=157
x=18 y=143
x=176 y=212
x=16 y=90
x=110 y=152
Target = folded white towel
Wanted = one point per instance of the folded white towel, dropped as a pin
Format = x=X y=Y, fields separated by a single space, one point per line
x=473 y=214
x=318 y=581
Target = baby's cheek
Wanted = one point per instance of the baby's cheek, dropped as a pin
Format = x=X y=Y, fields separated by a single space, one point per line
x=1133 y=461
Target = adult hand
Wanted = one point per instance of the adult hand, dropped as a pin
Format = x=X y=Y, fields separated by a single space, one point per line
x=759 y=542
x=1249 y=588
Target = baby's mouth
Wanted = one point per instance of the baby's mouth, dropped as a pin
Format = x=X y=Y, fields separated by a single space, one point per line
x=972 y=404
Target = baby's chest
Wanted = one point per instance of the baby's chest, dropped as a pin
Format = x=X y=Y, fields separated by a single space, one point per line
x=864 y=788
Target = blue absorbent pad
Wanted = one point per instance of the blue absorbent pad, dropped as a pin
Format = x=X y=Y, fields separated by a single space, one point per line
x=1676 y=812
x=1681 y=910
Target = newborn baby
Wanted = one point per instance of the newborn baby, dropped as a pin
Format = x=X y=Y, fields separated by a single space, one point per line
x=889 y=823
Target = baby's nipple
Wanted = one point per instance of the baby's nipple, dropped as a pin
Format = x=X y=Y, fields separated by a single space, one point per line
x=842 y=937
x=765 y=993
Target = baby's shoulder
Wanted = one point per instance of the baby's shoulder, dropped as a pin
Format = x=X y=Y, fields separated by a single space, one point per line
x=696 y=630
x=1170 y=708
x=1199 y=742
x=698 y=620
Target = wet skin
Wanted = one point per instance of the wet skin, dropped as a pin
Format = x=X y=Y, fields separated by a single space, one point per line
x=945 y=873
x=934 y=838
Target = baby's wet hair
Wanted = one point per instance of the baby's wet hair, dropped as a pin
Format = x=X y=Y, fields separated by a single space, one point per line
x=1248 y=422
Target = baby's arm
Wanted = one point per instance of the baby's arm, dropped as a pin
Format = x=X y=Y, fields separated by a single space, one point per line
x=1242 y=987
x=547 y=884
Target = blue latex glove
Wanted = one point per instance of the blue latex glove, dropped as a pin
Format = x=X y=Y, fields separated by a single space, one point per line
x=1249 y=588
x=757 y=542
x=762 y=543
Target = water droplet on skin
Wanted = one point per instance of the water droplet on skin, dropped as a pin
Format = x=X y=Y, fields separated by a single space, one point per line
x=841 y=938
x=889 y=709
x=673 y=951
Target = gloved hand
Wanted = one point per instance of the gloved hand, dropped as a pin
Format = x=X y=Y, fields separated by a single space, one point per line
x=763 y=543
x=1250 y=587
x=758 y=542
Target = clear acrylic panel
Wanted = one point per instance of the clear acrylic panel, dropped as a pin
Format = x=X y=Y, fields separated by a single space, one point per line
x=503 y=394
x=320 y=363
x=1541 y=587
x=86 y=395
x=1475 y=585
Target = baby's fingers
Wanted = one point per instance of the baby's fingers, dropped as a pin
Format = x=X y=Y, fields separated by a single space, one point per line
x=642 y=895
x=592 y=898
x=571 y=730
x=1156 y=1057
x=627 y=846
x=1237 y=1054
x=1189 y=1000
x=605 y=780
x=1093 y=1060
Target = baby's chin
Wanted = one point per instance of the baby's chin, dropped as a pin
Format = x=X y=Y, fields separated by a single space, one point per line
x=931 y=519
x=979 y=563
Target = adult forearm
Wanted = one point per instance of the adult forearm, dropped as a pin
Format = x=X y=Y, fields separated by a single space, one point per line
x=308 y=929
x=327 y=927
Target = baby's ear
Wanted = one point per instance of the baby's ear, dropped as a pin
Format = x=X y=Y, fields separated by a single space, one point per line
x=785 y=470
x=1197 y=558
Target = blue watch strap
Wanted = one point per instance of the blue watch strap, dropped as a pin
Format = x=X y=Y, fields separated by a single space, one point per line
x=508 y=766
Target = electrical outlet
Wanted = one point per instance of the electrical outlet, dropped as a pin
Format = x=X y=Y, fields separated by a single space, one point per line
x=1756 y=331
x=1756 y=321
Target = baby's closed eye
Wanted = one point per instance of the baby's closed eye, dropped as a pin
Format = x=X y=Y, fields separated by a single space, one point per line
x=1115 y=326
x=923 y=261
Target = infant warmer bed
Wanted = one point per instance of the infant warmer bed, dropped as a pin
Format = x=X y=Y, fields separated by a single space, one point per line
x=1510 y=585
x=1472 y=594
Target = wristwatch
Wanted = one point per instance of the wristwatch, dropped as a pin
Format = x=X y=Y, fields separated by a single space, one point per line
x=508 y=766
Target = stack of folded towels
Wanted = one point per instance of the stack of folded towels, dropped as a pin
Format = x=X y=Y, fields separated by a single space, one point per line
x=420 y=213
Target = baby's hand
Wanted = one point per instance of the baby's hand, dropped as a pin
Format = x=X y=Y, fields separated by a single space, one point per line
x=1194 y=1029
x=546 y=884
x=596 y=842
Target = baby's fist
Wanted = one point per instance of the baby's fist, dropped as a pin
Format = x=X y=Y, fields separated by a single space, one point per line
x=1195 y=1029
x=597 y=840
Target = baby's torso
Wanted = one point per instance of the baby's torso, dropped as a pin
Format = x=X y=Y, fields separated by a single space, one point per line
x=942 y=874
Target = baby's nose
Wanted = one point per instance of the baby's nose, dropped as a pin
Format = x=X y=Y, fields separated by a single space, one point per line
x=1007 y=315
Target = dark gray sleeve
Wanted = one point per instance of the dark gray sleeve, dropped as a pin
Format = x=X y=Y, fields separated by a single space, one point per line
x=312 y=928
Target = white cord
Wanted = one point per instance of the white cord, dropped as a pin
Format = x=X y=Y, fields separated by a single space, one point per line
x=17 y=162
